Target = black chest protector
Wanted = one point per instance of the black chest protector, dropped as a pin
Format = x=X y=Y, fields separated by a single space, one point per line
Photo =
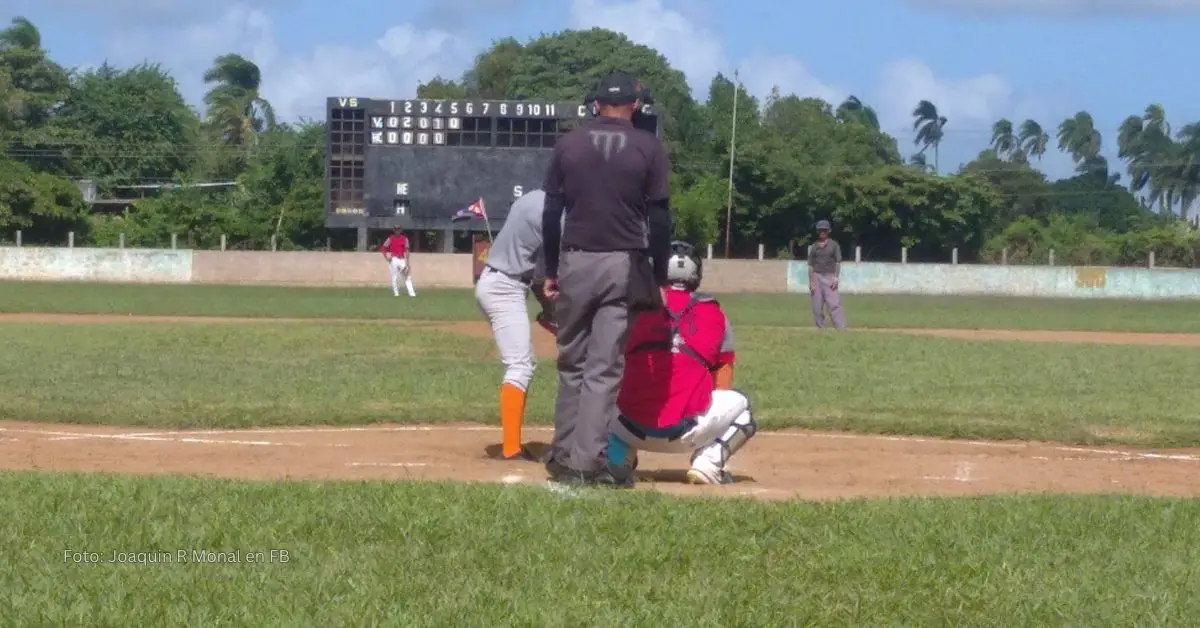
x=679 y=327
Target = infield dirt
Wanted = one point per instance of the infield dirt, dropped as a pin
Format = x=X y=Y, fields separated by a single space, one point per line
x=778 y=465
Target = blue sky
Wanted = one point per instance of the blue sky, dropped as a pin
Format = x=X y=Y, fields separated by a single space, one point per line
x=978 y=60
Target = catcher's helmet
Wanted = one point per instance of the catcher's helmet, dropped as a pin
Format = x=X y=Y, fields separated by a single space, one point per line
x=685 y=268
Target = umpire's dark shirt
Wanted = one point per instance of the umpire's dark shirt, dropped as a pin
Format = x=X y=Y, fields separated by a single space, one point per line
x=606 y=174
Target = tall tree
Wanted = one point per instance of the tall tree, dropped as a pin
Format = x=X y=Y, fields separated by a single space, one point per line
x=853 y=110
x=1004 y=139
x=1157 y=164
x=135 y=125
x=31 y=87
x=1034 y=140
x=930 y=127
x=1078 y=137
x=236 y=108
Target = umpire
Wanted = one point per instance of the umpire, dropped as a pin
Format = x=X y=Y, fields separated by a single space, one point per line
x=612 y=180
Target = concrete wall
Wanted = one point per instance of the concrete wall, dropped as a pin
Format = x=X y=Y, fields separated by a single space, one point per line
x=80 y=264
x=434 y=270
x=1089 y=282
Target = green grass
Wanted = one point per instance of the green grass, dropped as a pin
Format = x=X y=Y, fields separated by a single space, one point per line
x=460 y=555
x=746 y=309
x=233 y=375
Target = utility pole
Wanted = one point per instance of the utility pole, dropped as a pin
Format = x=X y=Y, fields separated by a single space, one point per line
x=732 y=144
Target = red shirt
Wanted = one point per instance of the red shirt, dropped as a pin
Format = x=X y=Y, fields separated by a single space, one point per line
x=660 y=386
x=396 y=245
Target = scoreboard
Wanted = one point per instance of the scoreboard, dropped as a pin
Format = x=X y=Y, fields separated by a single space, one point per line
x=414 y=163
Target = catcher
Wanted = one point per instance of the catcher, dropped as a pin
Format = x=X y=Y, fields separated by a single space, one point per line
x=676 y=394
x=395 y=251
x=501 y=295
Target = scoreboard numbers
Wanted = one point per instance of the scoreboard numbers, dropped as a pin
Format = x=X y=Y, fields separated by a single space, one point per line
x=470 y=123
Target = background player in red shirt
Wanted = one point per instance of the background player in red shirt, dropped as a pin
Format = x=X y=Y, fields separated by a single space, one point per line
x=676 y=394
x=395 y=251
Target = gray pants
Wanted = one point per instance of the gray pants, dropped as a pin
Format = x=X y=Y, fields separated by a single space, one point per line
x=825 y=295
x=592 y=311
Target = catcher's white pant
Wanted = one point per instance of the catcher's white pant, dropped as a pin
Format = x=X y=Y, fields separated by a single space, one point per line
x=719 y=432
x=503 y=300
x=398 y=268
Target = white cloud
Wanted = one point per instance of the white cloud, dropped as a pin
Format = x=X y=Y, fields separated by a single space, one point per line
x=679 y=34
x=689 y=47
x=1062 y=7
x=298 y=84
x=761 y=71
x=971 y=103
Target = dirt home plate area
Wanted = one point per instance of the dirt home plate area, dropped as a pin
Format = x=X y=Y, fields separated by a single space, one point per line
x=777 y=465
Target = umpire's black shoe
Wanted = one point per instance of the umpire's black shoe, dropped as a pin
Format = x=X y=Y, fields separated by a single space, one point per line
x=554 y=467
x=611 y=477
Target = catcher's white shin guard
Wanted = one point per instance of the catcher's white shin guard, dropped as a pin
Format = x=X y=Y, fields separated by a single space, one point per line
x=709 y=462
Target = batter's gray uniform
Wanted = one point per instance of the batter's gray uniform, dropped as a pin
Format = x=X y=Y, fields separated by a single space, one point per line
x=502 y=291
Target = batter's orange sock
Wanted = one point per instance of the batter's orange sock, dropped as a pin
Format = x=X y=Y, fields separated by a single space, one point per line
x=512 y=412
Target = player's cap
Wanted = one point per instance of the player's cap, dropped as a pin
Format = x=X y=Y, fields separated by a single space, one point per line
x=823 y=225
x=618 y=88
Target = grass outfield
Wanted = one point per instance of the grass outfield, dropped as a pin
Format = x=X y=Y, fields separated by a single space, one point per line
x=457 y=555
x=746 y=309
x=236 y=375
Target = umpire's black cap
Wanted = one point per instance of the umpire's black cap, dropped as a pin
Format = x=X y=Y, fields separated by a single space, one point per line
x=618 y=88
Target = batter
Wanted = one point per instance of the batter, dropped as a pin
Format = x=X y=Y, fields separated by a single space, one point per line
x=502 y=295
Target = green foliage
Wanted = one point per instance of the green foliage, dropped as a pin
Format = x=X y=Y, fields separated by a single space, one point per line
x=792 y=160
x=137 y=126
x=697 y=210
x=198 y=220
x=44 y=207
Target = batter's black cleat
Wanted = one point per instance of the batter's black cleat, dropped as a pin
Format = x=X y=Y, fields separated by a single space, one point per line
x=523 y=455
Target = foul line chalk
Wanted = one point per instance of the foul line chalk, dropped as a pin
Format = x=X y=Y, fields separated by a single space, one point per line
x=386 y=464
x=131 y=437
x=962 y=473
x=190 y=436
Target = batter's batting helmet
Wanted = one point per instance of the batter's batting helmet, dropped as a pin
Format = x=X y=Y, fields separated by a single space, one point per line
x=685 y=268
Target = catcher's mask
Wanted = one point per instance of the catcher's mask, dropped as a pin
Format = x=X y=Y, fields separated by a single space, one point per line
x=684 y=268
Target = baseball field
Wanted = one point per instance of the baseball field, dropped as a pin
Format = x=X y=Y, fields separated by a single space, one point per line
x=252 y=456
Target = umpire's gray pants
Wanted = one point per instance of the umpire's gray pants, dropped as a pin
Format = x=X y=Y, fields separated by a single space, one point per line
x=592 y=311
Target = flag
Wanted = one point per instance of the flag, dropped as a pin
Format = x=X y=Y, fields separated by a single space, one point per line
x=474 y=210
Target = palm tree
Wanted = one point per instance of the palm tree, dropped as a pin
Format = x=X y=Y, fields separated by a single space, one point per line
x=853 y=110
x=236 y=108
x=1034 y=140
x=930 y=128
x=1078 y=137
x=1189 y=168
x=1004 y=141
x=1162 y=167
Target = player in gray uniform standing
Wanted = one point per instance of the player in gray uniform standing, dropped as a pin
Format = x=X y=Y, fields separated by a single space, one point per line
x=502 y=295
x=824 y=270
